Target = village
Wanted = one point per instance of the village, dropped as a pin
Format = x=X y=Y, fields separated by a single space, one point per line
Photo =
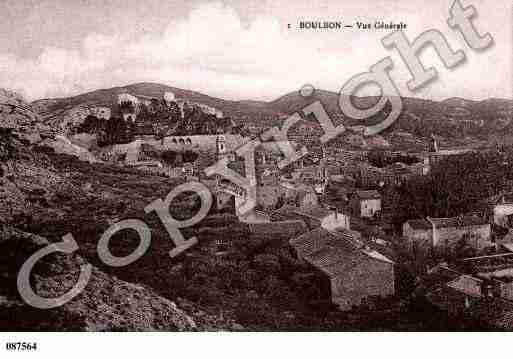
x=309 y=178
x=334 y=211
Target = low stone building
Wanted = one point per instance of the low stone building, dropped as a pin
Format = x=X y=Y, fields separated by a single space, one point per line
x=500 y=209
x=469 y=297
x=355 y=273
x=447 y=232
x=366 y=203
x=299 y=195
x=441 y=236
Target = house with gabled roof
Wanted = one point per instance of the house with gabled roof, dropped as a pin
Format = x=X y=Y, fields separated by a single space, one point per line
x=354 y=272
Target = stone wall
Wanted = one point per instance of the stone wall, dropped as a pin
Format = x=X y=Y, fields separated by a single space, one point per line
x=446 y=238
x=420 y=241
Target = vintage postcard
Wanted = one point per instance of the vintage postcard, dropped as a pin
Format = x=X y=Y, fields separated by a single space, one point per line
x=255 y=166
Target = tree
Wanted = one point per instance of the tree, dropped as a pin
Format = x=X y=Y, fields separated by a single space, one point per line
x=116 y=130
x=463 y=247
x=90 y=125
x=377 y=157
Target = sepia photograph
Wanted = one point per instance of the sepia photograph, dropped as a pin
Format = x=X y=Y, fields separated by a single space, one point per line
x=254 y=166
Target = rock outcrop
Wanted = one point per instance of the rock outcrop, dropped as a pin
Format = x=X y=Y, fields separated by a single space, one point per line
x=17 y=115
x=106 y=303
x=62 y=144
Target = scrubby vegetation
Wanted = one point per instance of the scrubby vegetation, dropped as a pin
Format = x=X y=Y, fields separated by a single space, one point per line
x=455 y=185
x=7 y=147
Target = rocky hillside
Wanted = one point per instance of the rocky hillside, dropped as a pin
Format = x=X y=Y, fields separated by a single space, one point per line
x=456 y=121
x=106 y=303
x=29 y=183
x=54 y=110
x=20 y=117
x=39 y=190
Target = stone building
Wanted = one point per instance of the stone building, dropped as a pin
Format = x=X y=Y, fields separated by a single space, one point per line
x=500 y=209
x=354 y=273
x=441 y=236
x=366 y=203
x=447 y=232
x=299 y=195
x=307 y=198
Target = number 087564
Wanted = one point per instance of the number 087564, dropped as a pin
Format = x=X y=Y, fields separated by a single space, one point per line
x=20 y=346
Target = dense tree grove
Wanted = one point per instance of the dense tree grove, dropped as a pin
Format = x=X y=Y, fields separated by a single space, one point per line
x=91 y=124
x=157 y=118
x=113 y=130
x=455 y=185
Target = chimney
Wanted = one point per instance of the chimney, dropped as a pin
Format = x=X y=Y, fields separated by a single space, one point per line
x=334 y=209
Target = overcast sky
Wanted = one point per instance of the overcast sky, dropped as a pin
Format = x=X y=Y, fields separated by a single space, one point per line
x=235 y=49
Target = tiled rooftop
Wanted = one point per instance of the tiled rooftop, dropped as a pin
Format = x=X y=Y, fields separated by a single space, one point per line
x=461 y=221
x=370 y=194
x=334 y=251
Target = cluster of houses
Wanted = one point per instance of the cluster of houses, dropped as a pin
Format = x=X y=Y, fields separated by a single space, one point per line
x=468 y=261
x=472 y=264
x=353 y=268
x=350 y=267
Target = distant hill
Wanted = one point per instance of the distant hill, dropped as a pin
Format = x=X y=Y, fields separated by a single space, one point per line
x=455 y=120
x=108 y=97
